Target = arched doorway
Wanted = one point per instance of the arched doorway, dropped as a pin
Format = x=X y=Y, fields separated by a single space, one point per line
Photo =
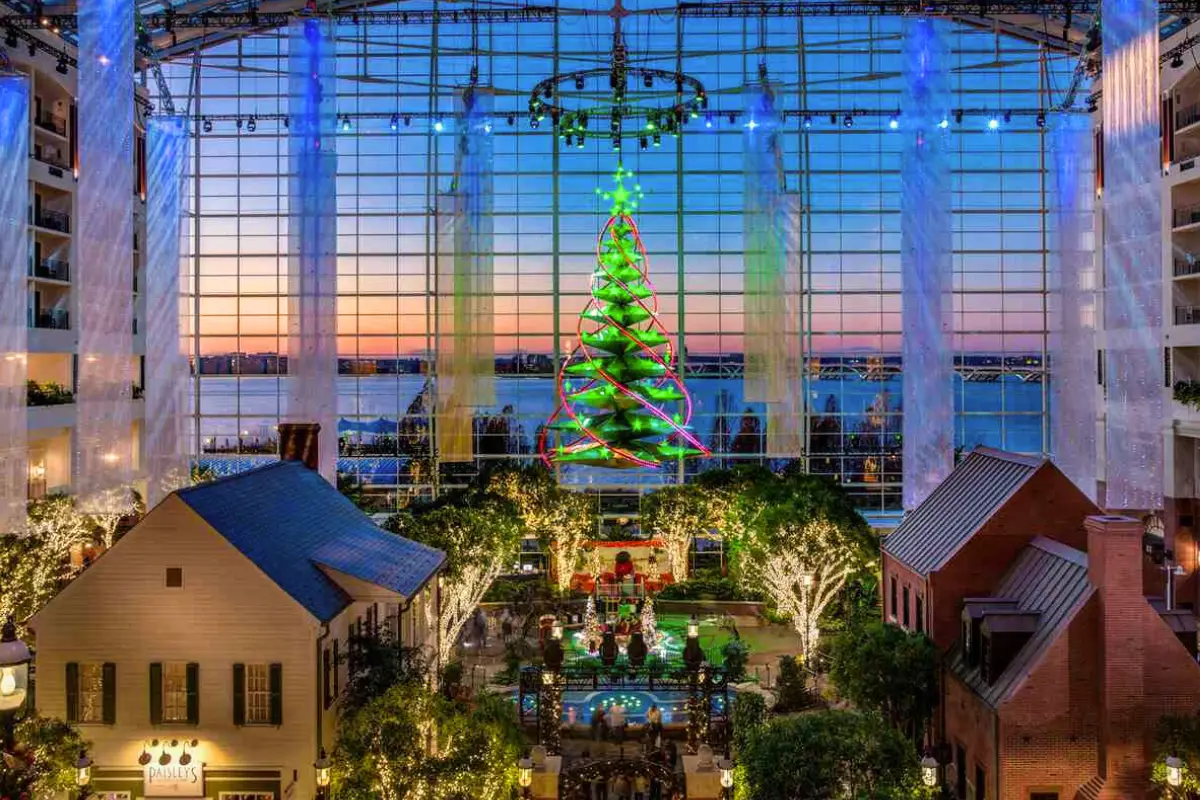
x=577 y=779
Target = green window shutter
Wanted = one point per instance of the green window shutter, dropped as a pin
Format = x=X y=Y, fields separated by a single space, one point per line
x=276 y=694
x=193 y=694
x=239 y=694
x=156 y=690
x=72 y=692
x=110 y=693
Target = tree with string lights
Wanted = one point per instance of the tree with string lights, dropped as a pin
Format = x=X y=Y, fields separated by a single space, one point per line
x=479 y=541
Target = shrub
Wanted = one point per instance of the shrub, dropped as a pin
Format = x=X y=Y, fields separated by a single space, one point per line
x=708 y=585
x=736 y=653
x=47 y=394
x=748 y=716
x=791 y=686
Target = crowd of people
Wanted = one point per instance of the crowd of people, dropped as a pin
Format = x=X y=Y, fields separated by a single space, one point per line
x=611 y=724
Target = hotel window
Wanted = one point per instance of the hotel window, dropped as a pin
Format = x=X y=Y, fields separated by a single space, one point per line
x=175 y=693
x=91 y=693
x=258 y=694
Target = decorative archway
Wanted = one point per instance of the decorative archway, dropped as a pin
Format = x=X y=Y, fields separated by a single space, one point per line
x=575 y=782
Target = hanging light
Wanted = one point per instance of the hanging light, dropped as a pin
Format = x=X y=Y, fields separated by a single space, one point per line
x=807 y=122
x=61 y=67
x=658 y=140
x=346 y=122
x=14 y=668
x=894 y=122
x=616 y=143
x=647 y=80
x=525 y=772
x=251 y=125
x=848 y=121
x=395 y=122
x=207 y=125
x=512 y=120
x=144 y=758
x=1177 y=61
x=643 y=142
x=945 y=123
x=1007 y=117
x=958 y=115
x=579 y=82
x=1041 y=120
x=732 y=117
x=569 y=140
x=439 y=125
x=708 y=120
x=993 y=124
x=533 y=121
x=579 y=142
x=407 y=120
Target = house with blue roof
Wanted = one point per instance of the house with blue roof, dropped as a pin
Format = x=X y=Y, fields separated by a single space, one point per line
x=204 y=654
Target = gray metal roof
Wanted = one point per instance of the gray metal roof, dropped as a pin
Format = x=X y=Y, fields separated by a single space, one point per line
x=958 y=507
x=1048 y=578
x=287 y=519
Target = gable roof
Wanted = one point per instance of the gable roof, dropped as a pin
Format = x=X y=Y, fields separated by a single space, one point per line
x=959 y=506
x=1050 y=579
x=287 y=519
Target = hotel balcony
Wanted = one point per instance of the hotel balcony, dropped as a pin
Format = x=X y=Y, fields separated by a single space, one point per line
x=51 y=269
x=59 y=221
x=47 y=122
x=54 y=319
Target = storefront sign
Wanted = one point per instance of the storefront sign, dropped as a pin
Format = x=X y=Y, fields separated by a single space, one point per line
x=174 y=780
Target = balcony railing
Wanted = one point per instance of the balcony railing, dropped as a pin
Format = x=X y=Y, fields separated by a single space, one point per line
x=47 y=122
x=51 y=158
x=54 y=220
x=1187 y=315
x=47 y=394
x=1187 y=115
x=54 y=319
x=53 y=269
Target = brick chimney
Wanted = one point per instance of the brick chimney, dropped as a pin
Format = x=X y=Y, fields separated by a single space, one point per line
x=1115 y=569
x=298 y=442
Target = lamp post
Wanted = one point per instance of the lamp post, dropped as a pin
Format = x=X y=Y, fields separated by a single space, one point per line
x=14 y=678
x=321 y=768
x=525 y=775
x=725 y=765
x=929 y=771
x=83 y=774
x=1174 y=773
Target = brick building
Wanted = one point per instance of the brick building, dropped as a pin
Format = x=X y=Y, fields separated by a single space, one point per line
x=959 y=541
x=1057 y=666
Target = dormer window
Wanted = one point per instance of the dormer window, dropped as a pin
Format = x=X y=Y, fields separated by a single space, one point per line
x=1003 y=634
x=974 y=609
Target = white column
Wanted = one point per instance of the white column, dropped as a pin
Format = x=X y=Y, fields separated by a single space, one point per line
x=927 y=320
x=14 y=295
x=103 y=288
x=1133 y=304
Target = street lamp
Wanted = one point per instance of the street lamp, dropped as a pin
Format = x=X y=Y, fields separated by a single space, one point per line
x=525 y=775
x=83 y=773
x=1174 y=772
x=14 y=677
x=929 y=770
x=321 y=767
x=726 y=767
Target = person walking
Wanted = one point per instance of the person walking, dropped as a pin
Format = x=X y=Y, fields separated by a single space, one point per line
x=654 y=721
x=641 y=787
x=598 y=724
x=621 y=787
x=616 y=721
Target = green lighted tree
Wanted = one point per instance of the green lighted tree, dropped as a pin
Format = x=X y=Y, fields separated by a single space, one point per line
x=619 y=388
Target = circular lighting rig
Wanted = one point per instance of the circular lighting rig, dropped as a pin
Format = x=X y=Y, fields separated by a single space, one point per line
x=565 y=100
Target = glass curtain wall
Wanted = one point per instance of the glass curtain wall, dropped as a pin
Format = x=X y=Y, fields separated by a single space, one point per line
x=546 y=216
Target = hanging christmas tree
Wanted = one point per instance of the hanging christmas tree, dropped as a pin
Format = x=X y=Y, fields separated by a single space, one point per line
x=591 y=624
x=621 y=402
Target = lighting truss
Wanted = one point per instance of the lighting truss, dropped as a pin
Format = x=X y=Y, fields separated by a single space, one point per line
x=942 y=8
